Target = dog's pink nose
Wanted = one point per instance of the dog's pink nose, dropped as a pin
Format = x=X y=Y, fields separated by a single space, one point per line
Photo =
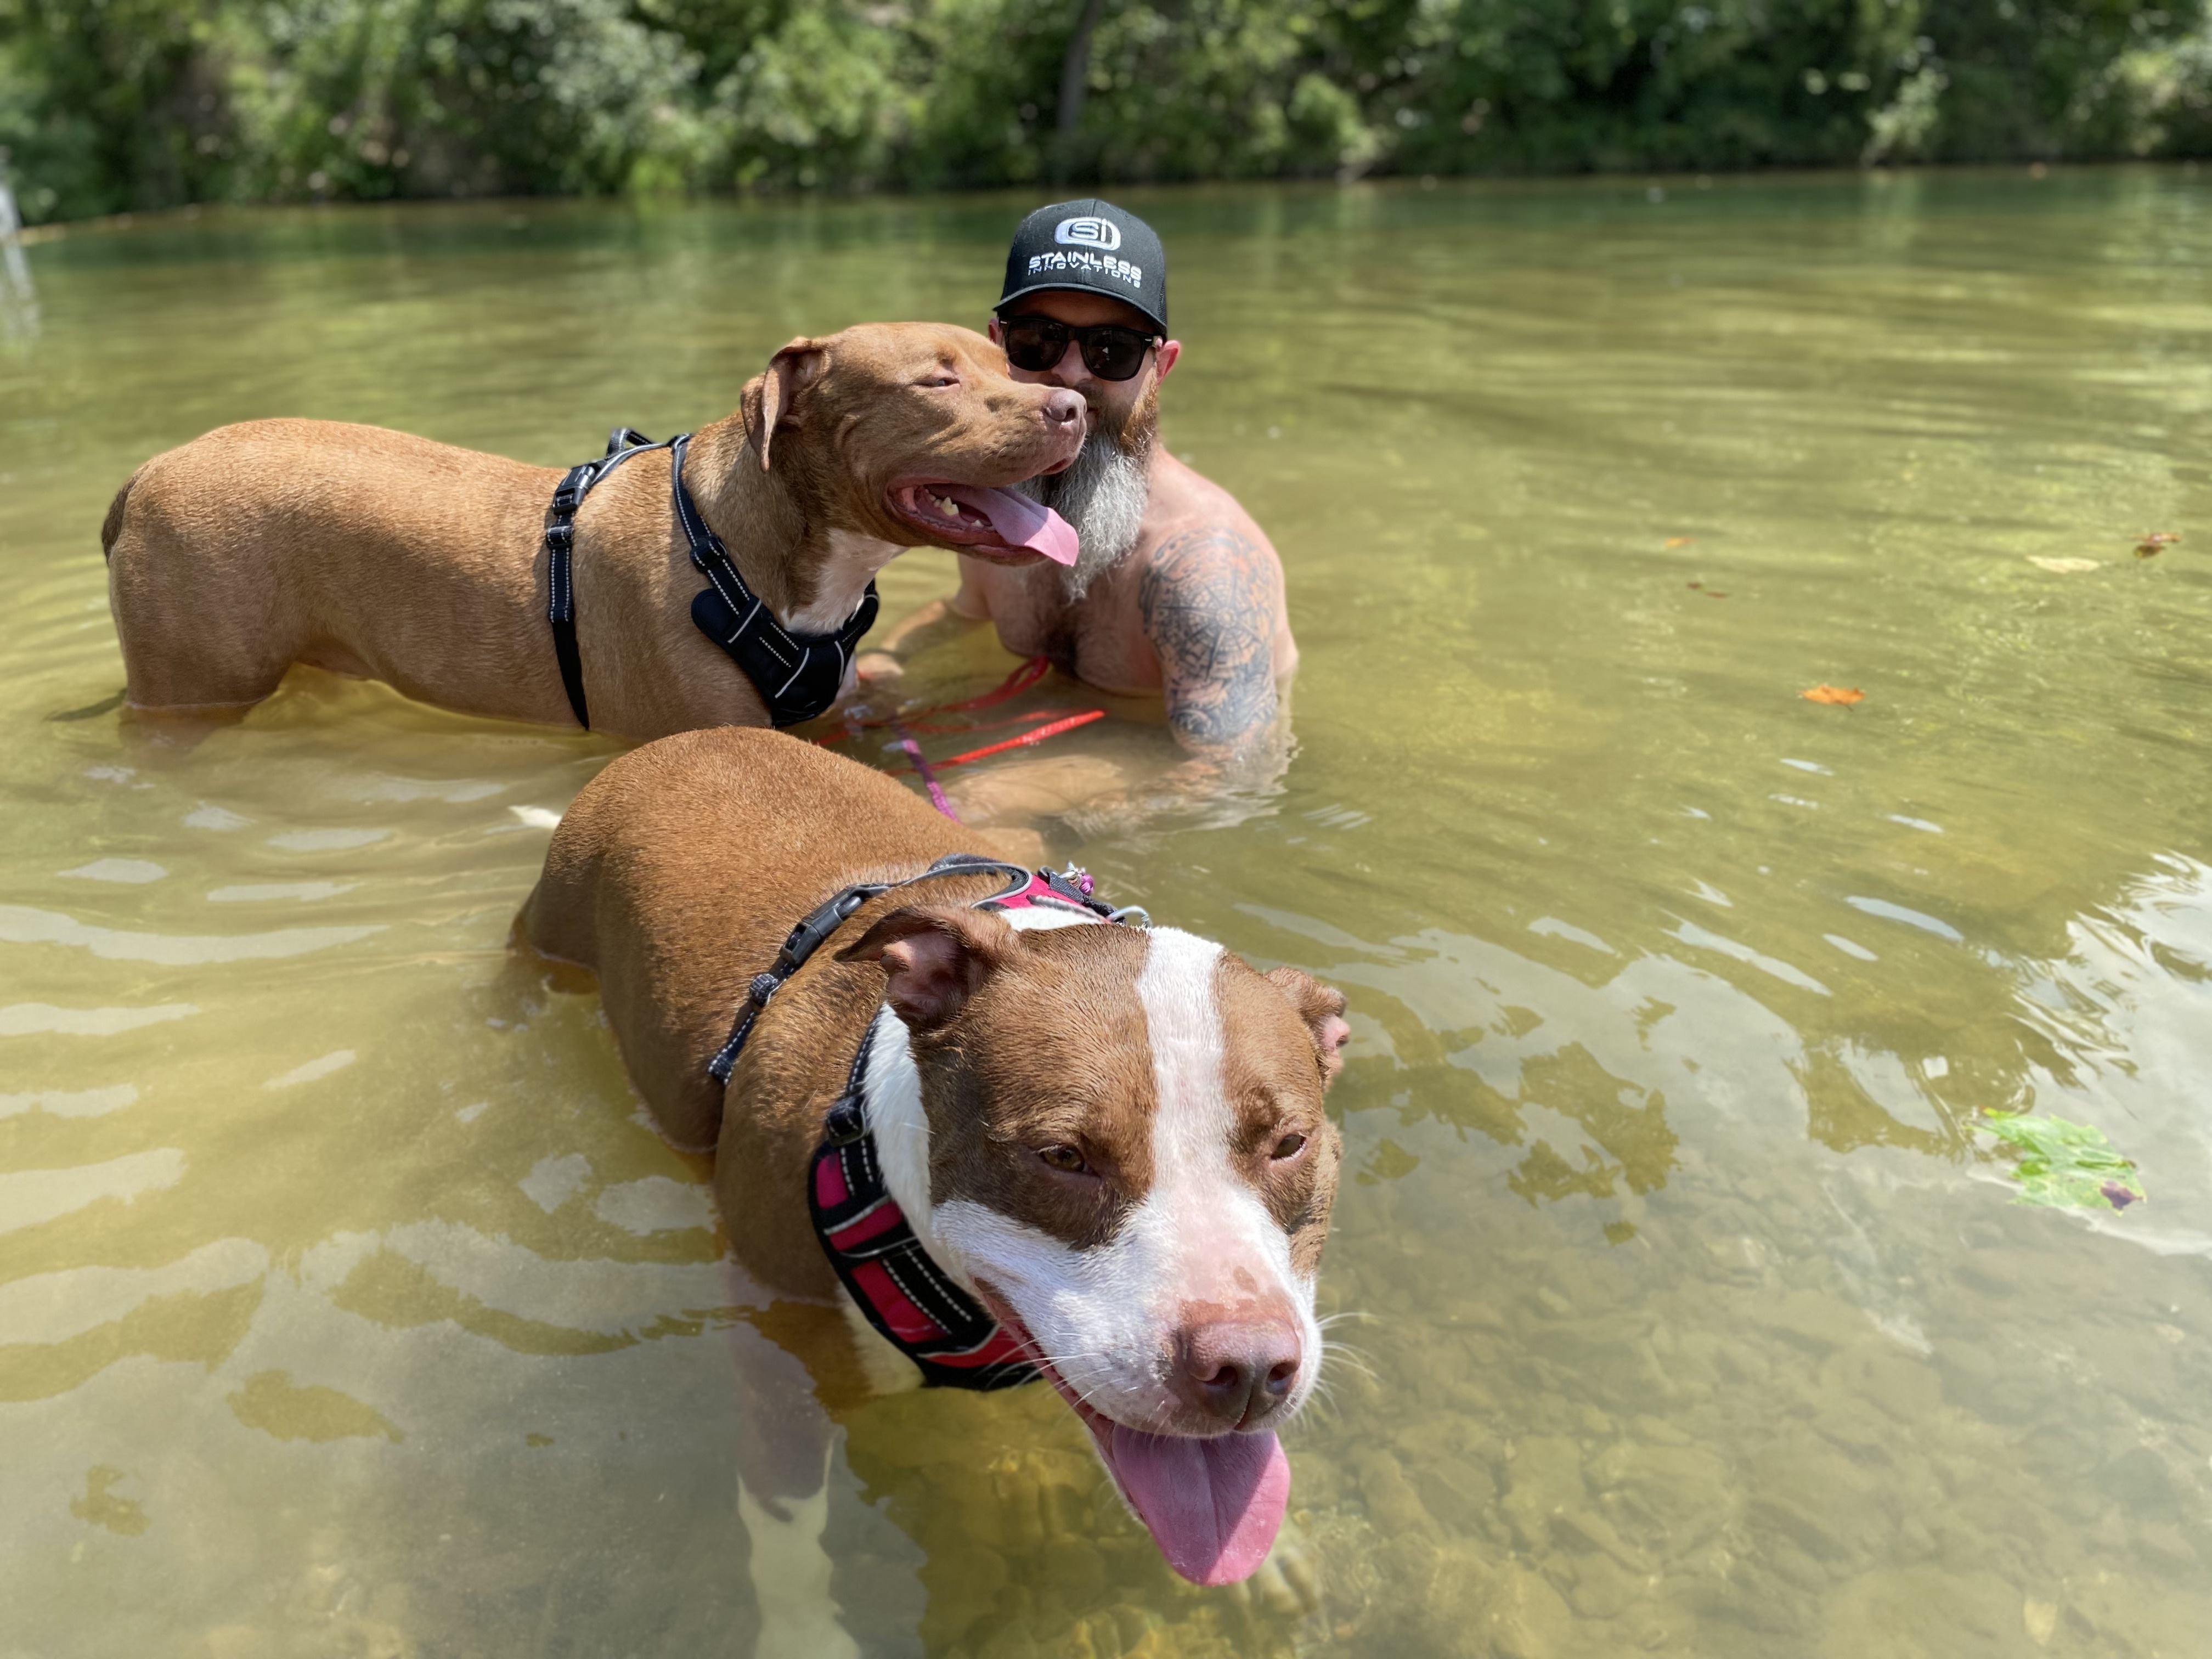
x=1063 y=408
x=1236 y=1371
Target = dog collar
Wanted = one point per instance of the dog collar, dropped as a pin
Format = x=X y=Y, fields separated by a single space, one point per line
x=797 y=675
x=911 y=1301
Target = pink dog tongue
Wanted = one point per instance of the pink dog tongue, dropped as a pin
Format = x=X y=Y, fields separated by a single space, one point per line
x=1213 y=1505
x=1020 y=522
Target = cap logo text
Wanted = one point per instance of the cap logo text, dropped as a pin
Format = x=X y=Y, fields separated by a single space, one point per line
x=1085 y=263
x=1103 y=234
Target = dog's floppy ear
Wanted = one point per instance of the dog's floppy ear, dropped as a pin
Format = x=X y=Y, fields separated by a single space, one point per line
x=1321 y=1007
x=936 y=957
x=768 y=397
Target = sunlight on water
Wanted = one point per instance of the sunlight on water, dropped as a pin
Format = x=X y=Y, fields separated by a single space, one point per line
x=348 y=1305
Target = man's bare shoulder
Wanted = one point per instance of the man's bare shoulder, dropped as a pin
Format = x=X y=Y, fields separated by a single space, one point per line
x=1184 y=501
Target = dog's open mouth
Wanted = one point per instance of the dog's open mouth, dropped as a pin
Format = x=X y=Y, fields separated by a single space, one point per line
x=994 y=523
x=1213 y=1505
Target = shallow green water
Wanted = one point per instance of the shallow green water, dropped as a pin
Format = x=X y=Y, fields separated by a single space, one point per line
x=347 y=1305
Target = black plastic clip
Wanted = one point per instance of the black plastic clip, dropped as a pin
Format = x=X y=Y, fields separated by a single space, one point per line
x=846 y=1123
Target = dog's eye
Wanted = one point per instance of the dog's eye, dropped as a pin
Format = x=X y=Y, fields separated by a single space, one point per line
x=939 y=380
x=1288 y=1147
x=1065 y=1159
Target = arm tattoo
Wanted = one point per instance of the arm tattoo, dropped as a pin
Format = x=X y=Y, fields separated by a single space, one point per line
x=1207 y=601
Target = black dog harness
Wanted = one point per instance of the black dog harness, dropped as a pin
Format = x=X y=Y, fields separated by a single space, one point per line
x=911 y=1301
x=797 y=675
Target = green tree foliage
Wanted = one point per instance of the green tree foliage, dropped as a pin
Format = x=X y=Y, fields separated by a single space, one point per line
x=106 y=105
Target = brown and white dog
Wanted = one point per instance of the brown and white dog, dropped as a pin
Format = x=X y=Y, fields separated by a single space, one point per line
x=1112 y=1137
x=390 y=557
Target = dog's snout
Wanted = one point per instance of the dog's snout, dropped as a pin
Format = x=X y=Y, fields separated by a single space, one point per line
x=1237 y=1371
x=1064 y=408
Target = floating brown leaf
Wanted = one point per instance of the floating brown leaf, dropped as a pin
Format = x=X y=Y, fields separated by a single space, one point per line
x=1841 y=693
x=1680 y=541
x=2154 y=542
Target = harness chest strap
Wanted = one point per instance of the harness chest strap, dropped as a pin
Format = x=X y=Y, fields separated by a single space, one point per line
x=798 y=676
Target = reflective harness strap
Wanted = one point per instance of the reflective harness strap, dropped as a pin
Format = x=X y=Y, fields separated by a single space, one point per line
x=797 y=675
x=904 y=1294
x=560 y=552
x=914 y=1302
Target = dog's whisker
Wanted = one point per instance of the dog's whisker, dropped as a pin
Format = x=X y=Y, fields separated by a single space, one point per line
x=1353 y=1358
x=1075 y=1378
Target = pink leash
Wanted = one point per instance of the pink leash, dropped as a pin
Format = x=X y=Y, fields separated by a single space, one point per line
x=928 y=775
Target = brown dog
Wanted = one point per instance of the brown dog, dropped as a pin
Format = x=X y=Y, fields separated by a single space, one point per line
x=1110 y=1138
x=391 y=557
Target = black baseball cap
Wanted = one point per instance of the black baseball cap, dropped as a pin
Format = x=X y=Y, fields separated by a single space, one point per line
x=1091 y=244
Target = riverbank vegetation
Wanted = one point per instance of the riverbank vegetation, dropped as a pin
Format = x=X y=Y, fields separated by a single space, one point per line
x=114 y=105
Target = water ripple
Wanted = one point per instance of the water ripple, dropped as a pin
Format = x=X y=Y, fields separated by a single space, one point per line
x=29 y=1019
x=28 y=1197
x=21 y=925
x=71 y=1103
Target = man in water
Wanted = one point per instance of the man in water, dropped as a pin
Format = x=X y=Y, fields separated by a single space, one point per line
x=1176 y=591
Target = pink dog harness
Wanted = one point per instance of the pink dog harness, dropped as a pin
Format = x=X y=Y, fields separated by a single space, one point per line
x=904 y=1294
x=915 y=1304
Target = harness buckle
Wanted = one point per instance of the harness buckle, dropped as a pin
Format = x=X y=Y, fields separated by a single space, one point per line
x=845 y=1122
x=764 y=987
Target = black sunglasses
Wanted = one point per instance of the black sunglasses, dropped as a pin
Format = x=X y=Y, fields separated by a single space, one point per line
x=1109 y=350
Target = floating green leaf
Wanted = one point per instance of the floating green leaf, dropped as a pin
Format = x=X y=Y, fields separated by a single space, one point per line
x=2065 y=1165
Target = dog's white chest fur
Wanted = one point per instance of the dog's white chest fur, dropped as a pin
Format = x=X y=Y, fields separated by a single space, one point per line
x=854 y=561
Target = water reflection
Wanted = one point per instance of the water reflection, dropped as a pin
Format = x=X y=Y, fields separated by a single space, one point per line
x=19 y=296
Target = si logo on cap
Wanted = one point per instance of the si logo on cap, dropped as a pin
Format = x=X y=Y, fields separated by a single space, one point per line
x=1088 y=231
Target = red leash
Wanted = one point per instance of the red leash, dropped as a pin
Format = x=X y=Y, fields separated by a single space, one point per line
x=1039 y=735
x=1014 y=685
x=904 y=727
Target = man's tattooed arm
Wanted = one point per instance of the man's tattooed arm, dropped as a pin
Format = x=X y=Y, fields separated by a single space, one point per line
x=1207 y=598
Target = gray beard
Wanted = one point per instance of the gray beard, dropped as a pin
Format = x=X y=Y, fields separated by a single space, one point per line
x=1103 y=495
